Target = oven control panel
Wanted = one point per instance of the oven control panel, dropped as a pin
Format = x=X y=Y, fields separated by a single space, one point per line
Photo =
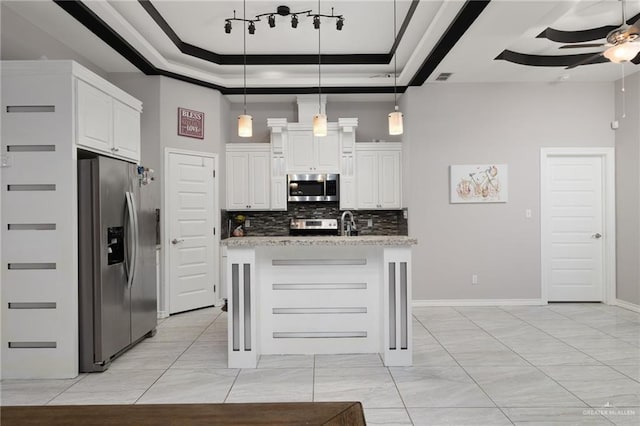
x=313 y=224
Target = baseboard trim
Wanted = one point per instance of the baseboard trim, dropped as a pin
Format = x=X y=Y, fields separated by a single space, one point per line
x=627 y=305
x=478 y=302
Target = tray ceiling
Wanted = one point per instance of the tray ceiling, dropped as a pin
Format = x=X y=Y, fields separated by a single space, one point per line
x=186 y=40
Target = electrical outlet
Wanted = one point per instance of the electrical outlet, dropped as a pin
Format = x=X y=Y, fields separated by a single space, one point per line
x=527 y=213
x=474 y=279
x=247 y=223
x=370 y=223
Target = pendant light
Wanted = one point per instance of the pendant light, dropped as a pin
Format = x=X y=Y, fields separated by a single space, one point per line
x=245 y=121
x=395 y=117
x=320 y=119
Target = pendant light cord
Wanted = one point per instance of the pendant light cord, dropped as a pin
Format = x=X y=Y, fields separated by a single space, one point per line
x=319 y=62
x=395 y=59
x=244 y=45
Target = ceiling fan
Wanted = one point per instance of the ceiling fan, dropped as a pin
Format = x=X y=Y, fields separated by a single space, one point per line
x=622 y=44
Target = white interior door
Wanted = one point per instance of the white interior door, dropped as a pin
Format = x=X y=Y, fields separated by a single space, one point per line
x=191 y=241
x=574 y=227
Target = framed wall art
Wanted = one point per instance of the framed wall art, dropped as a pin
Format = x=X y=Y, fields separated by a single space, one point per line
x=190 y=123
x=485 y=183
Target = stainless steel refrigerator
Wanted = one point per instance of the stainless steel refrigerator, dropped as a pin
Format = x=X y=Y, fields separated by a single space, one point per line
x=116 y=260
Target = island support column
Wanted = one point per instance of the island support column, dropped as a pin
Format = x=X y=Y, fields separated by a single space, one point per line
x=241 y=293
x=397 y=319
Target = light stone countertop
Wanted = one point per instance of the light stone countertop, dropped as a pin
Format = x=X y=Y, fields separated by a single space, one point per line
x=369 y=240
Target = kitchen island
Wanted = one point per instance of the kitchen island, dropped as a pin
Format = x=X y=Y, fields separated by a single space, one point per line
x=319 y=295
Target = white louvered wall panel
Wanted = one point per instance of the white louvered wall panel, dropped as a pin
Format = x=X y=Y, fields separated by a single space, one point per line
x=52 y=86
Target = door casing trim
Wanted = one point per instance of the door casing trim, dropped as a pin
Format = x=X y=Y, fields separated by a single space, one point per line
x=607 y=154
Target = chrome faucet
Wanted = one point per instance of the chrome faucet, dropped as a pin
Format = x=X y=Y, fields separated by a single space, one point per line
x=346 y=228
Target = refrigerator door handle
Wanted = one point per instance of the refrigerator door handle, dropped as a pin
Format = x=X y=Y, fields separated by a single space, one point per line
x=136 y=234
x=131 y=265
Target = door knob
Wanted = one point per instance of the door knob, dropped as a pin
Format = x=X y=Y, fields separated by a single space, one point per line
x=597 y=235
x=176 y=241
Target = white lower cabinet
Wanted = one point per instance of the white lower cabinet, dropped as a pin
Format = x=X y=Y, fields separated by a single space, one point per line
x=248 y=177
x=378 y=176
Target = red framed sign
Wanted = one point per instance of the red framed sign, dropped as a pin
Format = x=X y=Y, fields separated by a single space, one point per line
x=190 y=123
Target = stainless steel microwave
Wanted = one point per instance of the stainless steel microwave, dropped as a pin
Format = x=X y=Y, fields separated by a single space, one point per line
x=313 y=187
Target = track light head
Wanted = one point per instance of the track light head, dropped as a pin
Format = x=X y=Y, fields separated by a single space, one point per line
x=252 y=28
x=227 y=27
x=294 y=21
x=316 y=22
x=272 y=21
x=339 y=24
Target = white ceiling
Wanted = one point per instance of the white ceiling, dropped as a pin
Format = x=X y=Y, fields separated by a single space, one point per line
x=368 y=29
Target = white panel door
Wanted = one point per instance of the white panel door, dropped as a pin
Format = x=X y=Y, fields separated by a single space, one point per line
x=300 y=154
x=126 y=131
x=574 y=212
x=328 y=152
x=95 y=117
x=367 y=179
x=237 y=180
x=191 y=242
x=389 y=192
x=259 y=180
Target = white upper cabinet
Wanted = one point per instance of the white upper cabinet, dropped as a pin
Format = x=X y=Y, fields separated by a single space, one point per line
x=126 y=131
x=378 y=176
x=248 y=176
x=95 y=118
x=306 y=153
x=327 y=152
x=105 y=124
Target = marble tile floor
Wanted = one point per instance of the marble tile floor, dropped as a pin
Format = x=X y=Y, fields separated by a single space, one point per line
x=560 y=364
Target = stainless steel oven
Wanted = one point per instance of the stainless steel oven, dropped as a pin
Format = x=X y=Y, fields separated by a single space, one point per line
x=313 y=187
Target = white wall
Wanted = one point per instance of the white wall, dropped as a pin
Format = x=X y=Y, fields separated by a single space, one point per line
x=449 y=124
x=21 y=40
x=372 y=118
x=628 y=191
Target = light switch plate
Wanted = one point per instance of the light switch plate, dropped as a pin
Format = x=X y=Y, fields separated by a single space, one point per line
x=5 y=161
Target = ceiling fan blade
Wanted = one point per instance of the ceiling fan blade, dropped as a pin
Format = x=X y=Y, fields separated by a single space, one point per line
x=634 y=28
x=585 y=61
x=581 y=46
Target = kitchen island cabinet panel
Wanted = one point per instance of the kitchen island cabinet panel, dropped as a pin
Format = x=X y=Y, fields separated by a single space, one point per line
x=324 y=295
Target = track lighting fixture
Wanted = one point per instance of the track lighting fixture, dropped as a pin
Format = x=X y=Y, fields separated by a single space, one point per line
x=284 y=11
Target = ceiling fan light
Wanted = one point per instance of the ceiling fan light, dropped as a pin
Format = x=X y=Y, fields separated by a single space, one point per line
x=395 y=123
x=245 y=126
x=320 y=125
x=622 y=52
